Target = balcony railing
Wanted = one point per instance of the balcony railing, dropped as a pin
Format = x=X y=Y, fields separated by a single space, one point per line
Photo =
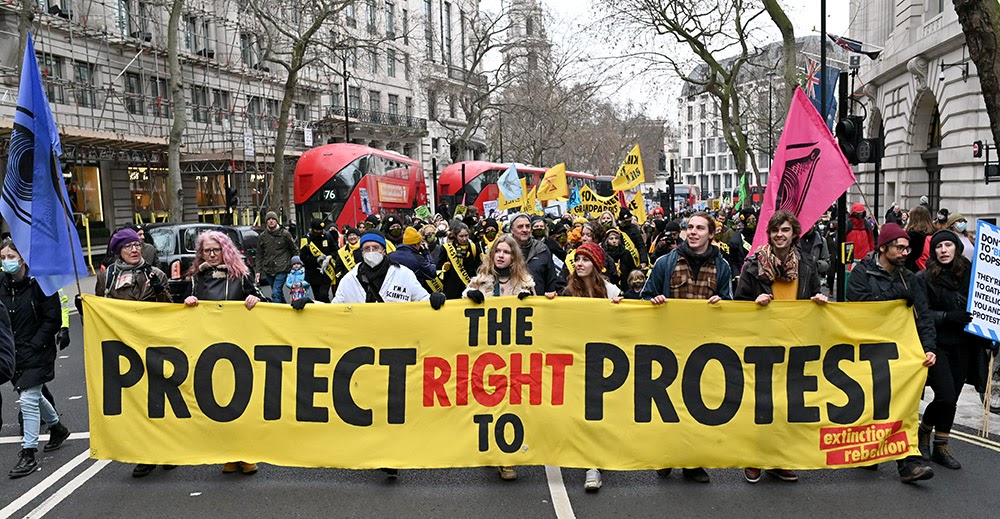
x=379 y=118
x=460 y=74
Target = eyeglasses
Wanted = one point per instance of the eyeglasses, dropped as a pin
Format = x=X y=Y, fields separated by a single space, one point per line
x=902 y=249
x=133 y=246
x=212 y=251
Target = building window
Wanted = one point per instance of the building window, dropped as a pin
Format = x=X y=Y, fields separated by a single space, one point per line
x=254 y=113
x=711 y=163
x=149 y=189
x=690 y=148
x=190 y=33
x=390 y=20
x=210 y=192
x=246 y=49
x=690 y=113
x=301 y=112
x=272 y=112
x=462 y=35
x=431 y=104
x=123 y=15
x=452 y=107
x=374 y=101
x=85 y=90
x=729 y=181
x=84 y=190
x=206 y=42
x=406 y=27
x=687 y=165
x=159 y=90
x=393 y=104
x=52 y=74
x=349 y=16
x=390 y=62
x=529 y=26
x=354 y=98
x=711 y=145
x=199 y=104
x=409 y=107
x=220 y=106
x=373 y=61
x=352 y=57
x=447 y=32
x=697 y=165
x=406 y=66
x=532 y=60
x=702 y=133
x=371 y=16
x=335 y=95
x=429 y=30
x=133 y=93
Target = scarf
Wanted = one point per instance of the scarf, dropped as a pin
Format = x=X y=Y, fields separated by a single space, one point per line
x=372 y=278
x=771 y=269
x=696 y=261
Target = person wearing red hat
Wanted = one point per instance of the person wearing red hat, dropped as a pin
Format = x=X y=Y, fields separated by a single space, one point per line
x=860 y=232
x=882 y=276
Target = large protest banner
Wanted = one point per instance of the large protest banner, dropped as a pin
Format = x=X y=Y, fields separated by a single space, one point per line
x=570 y=382
x=984 y=291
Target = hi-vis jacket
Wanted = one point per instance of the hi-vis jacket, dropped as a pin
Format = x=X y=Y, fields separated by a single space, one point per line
x=400 y=285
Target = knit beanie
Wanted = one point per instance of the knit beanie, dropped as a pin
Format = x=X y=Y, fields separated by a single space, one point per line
x=316 y=224
x=889 y=233
x=411 y=236
x=351 y=230
x=490 y=222
x=946 y=235
x=122 y=238
x=593 y=252
x=295 y=259
x=373 y=235
x=672 y=226
x=271 y=215
x=953 y=218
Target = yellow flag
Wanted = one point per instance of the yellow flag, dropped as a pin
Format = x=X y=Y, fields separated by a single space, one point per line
x=529 y=201
x=638 y=207
x=553 y=184
x=630 y=173
x=518 y=202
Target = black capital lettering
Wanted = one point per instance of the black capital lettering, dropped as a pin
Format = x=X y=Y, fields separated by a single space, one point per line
x=595 y=383
x=163 y=388
x=474 y=315
x=272 y=357
x=204 y=391
x=649 y=390
x=484 y=421
x=498 y=325
x=798 y=384
x=397 y=360
x=114 y=380
x=500 y=431
x=763 y=358
x=851 y=411
x=523 y=325
x=307 y=384
x=694 y=369
x=878 y=355
x=343 y=403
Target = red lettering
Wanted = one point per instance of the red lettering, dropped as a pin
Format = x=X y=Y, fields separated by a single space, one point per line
x=497 y=382
x=462 y=380
x=558 y=362
x=437 y=371
x=518 y=378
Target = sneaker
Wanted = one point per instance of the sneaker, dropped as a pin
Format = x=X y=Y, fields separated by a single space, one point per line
x=942 y=456
x=752 y=475
x=664 y=473
x=697 y=474
x=507 y=473
x=391 y=473
x=784 y=475
x=593 y=481
x=911 y=471
x=57 y=435
x=142 y=470
x=248 y=468
x=26 y=464
x=230 y=467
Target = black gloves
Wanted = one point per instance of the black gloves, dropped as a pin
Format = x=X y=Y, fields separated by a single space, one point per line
x=78 y=303
x=156 y=284
x=476 y=296
x=62 y=338
x=437 y=300
x=299 y=304
x=958 y=317
x=903 y=293
x=524 y=294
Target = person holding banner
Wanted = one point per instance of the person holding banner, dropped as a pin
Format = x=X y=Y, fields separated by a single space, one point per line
x=34 y=321
x=536 y=256
x=779 y=271
x=622 y=260
x=882 y=276
x=694 y=270
x=459 y=260
x=503 y=273
x=319 y=250
x=961 y=357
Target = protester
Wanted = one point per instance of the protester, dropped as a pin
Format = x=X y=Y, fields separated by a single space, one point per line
x=961 y=357
x=636 y=280
x=860 y=232
x=960 y=226
x=7 y=353
x=379 y=279
x=536 y=256
x=741 y=242
x=412 y=254
x=392 y=226
x=882 y=276
x=919 y=231
x=813 y=243
x=503 y=273
x=490 y=231
x=459 y=260
x=695 y=270
x=219 y=274
x=894 y=214
x=34 y=321
x=779 y=271
x=296 y=282
x=275 y=248
x=149 y=252
x=632 y=234
x=621 y=259
x=319 y=250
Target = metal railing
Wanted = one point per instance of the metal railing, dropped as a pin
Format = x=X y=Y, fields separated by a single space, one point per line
x=380 y=118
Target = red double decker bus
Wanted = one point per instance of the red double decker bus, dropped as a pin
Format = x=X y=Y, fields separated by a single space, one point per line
x=474 y=182
x=343 y=183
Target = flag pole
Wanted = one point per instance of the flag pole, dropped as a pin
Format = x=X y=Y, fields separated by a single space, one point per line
x=66 y=212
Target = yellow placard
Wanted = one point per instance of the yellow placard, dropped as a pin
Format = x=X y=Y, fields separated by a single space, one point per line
x=593 y=203
x=630 y=173
x=570 y=382
x=638 y=207
x=517 y=203
x=553 y=185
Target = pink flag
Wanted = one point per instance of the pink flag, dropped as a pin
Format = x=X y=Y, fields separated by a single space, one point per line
x=809 y=172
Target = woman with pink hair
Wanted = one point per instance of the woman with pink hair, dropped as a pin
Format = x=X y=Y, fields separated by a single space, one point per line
x=219 y=274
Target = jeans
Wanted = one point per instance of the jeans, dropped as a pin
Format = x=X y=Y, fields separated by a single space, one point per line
x=278 y=288
x=35 y=406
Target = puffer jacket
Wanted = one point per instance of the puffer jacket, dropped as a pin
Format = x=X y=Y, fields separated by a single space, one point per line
x=870 y=282
x=132 y=282
x=214 y=284
x=6 y=347
x=274 y=251
x=751 y=285
x=34 y=318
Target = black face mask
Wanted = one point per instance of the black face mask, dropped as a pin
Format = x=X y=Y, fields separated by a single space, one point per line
x=395 y=233
x=538 y=233
x=491 y=234
x=561 y=239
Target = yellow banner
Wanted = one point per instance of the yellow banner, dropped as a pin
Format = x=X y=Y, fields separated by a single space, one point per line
x=593 y=203
x=553 y=184
x=531 y=205
x=638 y=207
x=793 y=385
x=503 y=203
x=630 y=173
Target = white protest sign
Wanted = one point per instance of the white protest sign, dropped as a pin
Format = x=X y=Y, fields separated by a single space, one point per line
x=984 y=290
x=490 y=207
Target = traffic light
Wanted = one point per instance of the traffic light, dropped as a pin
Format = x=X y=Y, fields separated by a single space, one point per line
x=849 y=136
x=977 y=149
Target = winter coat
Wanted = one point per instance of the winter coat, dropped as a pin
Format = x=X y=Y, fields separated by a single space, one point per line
x=751 y=285
x=7 y=351
x=150 y=254
x=34 y=320
x=918 y=242
x=326 y=245
x=658 y=282
x=635 y=234
x=274 y=251
x=297 y=277
x=863 y=237
x=400 y=285
x=214 y=284
x=132 y=282
x=453 y=285
x=415 y=260
x=539 y=261
x=815 y=246
x=870 y=282
x=487 y=283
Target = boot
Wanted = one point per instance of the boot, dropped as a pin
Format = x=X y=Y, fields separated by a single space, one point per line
x=942 y=456
x=924 y=442
x=26 y=464
x=57 y=435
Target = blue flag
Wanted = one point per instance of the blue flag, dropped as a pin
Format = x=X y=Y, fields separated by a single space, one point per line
x=34 y=201
x=574 y=199
x=510 y=184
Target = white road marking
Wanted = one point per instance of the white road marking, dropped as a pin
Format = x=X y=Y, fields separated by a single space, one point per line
x=560 y=499
x=42 y=486
x=67 y=489
x=77 y=397
x=64 y=356
x=45 y=437
x=195 y=494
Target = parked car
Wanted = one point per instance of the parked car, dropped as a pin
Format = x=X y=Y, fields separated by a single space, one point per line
x=249 y=247
x=176 y=244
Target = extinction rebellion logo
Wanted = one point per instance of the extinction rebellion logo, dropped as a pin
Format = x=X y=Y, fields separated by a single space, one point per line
x=857 y=444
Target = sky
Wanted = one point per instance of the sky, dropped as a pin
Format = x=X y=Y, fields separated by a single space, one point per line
x=658 y=99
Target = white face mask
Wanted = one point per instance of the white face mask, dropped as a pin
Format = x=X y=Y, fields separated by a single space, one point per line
x=373 y=259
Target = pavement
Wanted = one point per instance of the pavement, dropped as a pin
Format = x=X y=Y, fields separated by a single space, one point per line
x=72 y=485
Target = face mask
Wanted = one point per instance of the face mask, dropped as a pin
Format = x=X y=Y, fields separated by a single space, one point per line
x=751 y=225
x=443 y=228
x=562 y=239
x=538 y=233
x=637 y=286
x=11 y=266
x=395 y=233
x=373 y=259
x=491 y=234
x=430 y=238
x=960 y=227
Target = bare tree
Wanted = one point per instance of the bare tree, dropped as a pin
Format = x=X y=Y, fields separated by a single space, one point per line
x=179 y=122
x=980 y=21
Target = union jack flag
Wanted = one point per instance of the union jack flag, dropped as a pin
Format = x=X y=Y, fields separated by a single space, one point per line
x=812 y=88
x=812 y=78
